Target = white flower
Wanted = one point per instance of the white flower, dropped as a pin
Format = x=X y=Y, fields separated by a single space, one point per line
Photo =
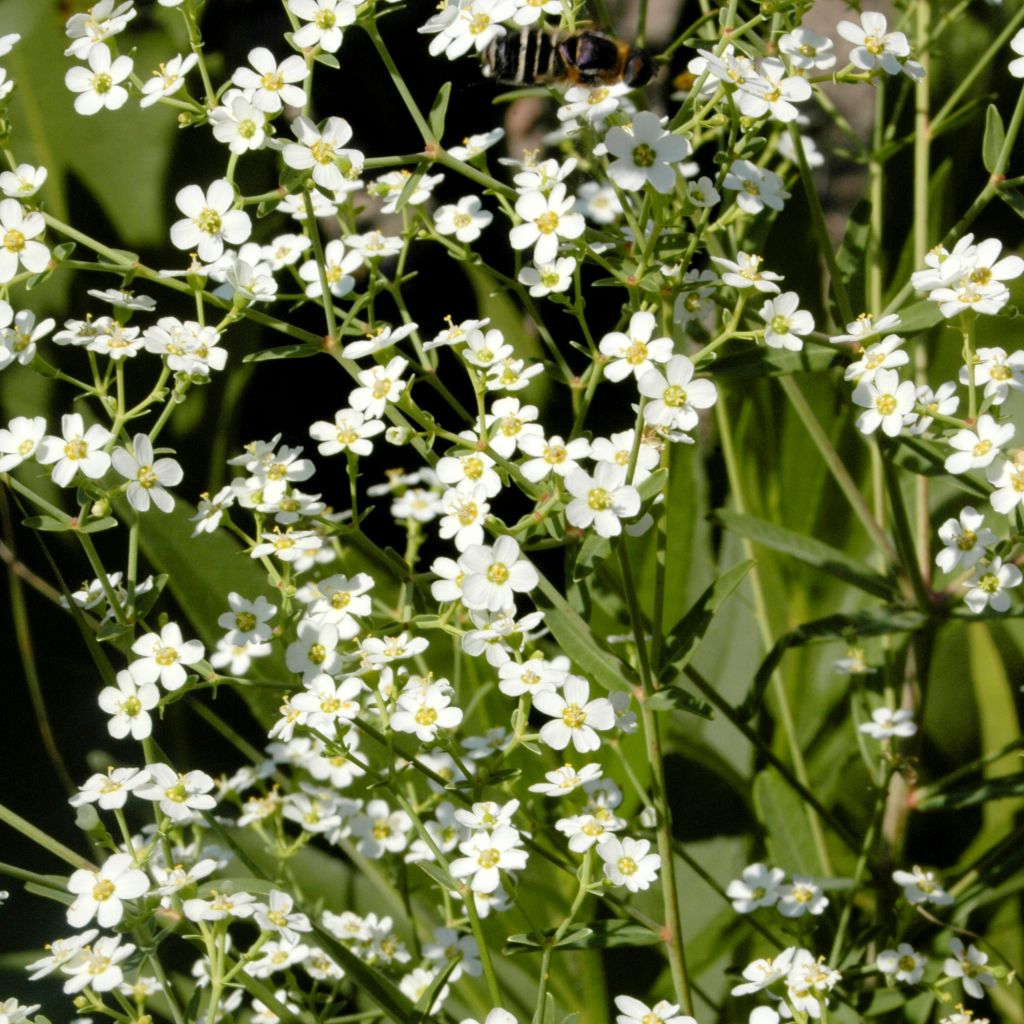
x=920 y=886
x=321 y=150
x=97 y=85
x=886 y=354
x=976 y=449
x=485 y=854
x=644 y=153
x=168 y=78
x=100 y=893
x=627 y=862
x=635 y=1012
x=745 y=272
x=148 y=477
x=784 y=323
x=944 y=401
x=271 y=84
x=494 y=574
x=179 y=795
x=465 y=219
x=772 y=91
x=350 y=432
x=873 y=46
x=965 y=539
x=474 y=145
x=19 y=440
x=601 y=500
x=807 y=50
x=129 y=704
x=760 y=974
x=239 y=123
x=78 y=449
x=163 y=657
x=19 y=342
x=339 y=265
x=989 y=586
x=475 y=24
x=548 y=277
x=758 y=887
x=888 y=402
x=574 y=717
x=674 y=396
x=424 y=711
x=325 y=20
x=886 y=723
x=209 y=220
x=633 y=351
x=379 y=385
x=551 y=455
x=18 y=230
x=998 y=371
x=1007 y=477
x=465 y=512
x=1017 y=45
x=96 y=966
x=110 y=790
x=23 y=182
x=969 y=966
x=546 y=219
x=803 y=896
x=903 y=962
x=756 y=187
x=566 y=779
x=865 y=326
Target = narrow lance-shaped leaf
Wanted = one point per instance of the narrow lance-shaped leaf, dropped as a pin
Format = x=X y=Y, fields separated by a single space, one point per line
x=993 y=140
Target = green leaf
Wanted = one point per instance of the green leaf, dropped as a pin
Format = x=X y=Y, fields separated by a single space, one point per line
x=968 y=796
x=99 y=525
x=814 y=552
x=50 y=524
x=593 y=935
x=752 y=363
x=438 y=874
x=919 y=316
x=593 y=551
x=266 y=355
x=876 y=622
x=439 y=110
x=579 y=643
x=993 y=140
x=783 y=814
x=686 y=635
x=675 y=698
x=850 y=257
x=1013 y=198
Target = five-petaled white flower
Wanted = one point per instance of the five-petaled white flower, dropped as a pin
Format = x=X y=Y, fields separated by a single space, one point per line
x=989 y=586
x=209 y=220
x=601 y=500
x=575 y=719
x=547 y=218
x=78 y=449
x=757 y=887
x=494 y=574
x=100 y=893
x=129 y=704
x=886 y=723
x=644 y=153
x=486 y=853
x=628 y=862
x=149 y=477
x=163 y=656
x=968 y=964
x=920 y=886
x=98 y=85
x=674 y=396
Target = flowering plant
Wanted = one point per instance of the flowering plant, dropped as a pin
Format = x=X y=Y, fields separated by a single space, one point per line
x=593 y=660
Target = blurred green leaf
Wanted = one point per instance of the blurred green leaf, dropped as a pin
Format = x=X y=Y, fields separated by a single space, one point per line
x=752 y=363
x=439 y=110
x=783 y=814
x=593 y=935
x=968 y=796
x=994 y=138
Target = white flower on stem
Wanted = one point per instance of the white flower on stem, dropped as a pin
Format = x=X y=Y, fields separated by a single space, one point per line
x=590 y=104
x=977 y=448
x=324 y=20
x=674 y=396
x=209 y=220
x=474 y=145
x=248 y=621
x=632 y=351
x=773 y=91
x=19 y=440
x=632 y=1011
x=920 y=886
x=314 y=650
x=163 y=657
x=350 y=432
x=761 y=974
x=96 y=967
x=529 y=12
x=23 y=182
x=965 y=541
x=465 y=219
x=100 y=22
x=1007 y=477
x=167 y=79
x=874 y=47
x=888 y=403
x=280 y=916
x=944 y=401
x=548 y=277
x=379 y=385
x=602 y=500
x=486 y=854
x=465 y=512
x=326 y=703
x=509 y=423
x=628 y=862
x=272 y=85
x=423 y=712
x=180 y=796
x=968 y=964
x=18 y=231
x=239 y=123
x=757 y=887
x=807 y=50
x=801 y=897
x=321 y=149
x=575 y=718
x=551 y=455
x=728 y=67
x=1016 y=67
x=586 y=830
x=745 y=272
x=19 y=342
x=756 y=187
x=784 y=323
x=886 y=723
x=466 y=471
x=99 y=894
x=998 y=371
x=566 y=779
x=375 y=245
x=645 y=153
x=129 y=703
x=547 y=218
x=864 y=327
x=149 y=477
x=531 y=676
x=98 y=85
x=109 y=789
x=462 y=950
x=989 y=586
x=808 y=983
x=289 y=546
x=222 y=906
x=339 y=265
x=77 y=450
x=904 y=963
x=494 y=574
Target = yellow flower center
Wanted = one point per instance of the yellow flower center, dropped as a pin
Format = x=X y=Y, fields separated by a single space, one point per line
x=574 y=716
x=208 y=221
x=547 y=222
x=103 y=890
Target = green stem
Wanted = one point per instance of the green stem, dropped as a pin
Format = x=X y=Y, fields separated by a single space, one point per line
x=40 y=838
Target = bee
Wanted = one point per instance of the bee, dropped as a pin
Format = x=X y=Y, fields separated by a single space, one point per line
x=537 y=56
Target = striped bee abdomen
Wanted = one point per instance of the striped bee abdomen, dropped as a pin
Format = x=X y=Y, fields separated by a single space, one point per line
x=529 y=57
